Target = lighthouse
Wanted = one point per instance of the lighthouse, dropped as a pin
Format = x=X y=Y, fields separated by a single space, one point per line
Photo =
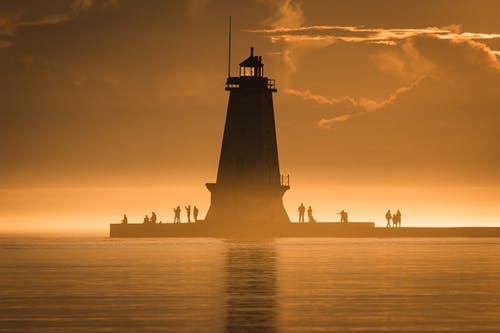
x=248 y=192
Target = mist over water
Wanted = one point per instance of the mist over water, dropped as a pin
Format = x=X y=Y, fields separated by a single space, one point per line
x=97 y=284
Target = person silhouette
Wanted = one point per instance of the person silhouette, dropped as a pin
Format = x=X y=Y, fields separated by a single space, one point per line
x=388 y=216
x=195 y=213
x=188 y=212
x=302 y=210
x=310 y=215
x=394 y=221
x=178 y=214
x=146 y=219
x=153 y=217
x=125 y=219
x=398 y=216
x=343 y=216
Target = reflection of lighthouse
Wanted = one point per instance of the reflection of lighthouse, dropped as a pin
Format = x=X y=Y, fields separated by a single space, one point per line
x=249 y=187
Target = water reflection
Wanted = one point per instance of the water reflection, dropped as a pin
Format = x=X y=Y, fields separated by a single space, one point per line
x=251 y=286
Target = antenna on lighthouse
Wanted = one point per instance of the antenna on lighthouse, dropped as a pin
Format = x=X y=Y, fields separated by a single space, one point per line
x=229 y=51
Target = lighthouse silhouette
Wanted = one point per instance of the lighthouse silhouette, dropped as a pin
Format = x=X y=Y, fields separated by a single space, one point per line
x=249 y=189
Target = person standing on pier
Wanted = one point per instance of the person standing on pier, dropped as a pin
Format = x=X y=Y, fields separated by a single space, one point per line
x=302 y=210
x=195 y=213
x=177 y=214
x=188 y=212
x=343 y=216
x=153 y=217
x=398 y=217
x=310 y=215
x=388 y=217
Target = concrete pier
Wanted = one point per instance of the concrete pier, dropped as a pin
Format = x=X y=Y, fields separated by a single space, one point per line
x=319 y=229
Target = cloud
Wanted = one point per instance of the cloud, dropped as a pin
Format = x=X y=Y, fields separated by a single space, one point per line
x=81 y=5
x=10 y=25
x=406 y=62
x=491 y=55
x=45 y=20
x=319 y=99
x=395 y=54
x=287 y=15
x=354 y=106
x=362 y=34
x=327 y=123
x=329 y=34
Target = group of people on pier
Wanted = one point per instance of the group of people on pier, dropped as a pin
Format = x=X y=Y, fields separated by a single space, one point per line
x=311 y=219
x=177 y=216
x=177 y=213
x=302 y=211
x=396 y=219
x=151 y=219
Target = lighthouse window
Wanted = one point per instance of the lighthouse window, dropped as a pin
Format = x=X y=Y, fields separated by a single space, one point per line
x=247 y=71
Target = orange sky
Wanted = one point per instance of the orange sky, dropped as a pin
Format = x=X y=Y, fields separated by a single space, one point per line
x=118 y=106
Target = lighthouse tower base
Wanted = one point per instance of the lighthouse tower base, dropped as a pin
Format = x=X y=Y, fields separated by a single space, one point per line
x=247 y=208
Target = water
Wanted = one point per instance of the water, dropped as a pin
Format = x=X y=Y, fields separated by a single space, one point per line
x=71 y=284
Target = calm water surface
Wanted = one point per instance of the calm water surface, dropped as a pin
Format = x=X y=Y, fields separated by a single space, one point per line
x=70 y=284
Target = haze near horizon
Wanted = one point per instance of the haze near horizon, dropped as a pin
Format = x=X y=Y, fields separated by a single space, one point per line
x=112 y=107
